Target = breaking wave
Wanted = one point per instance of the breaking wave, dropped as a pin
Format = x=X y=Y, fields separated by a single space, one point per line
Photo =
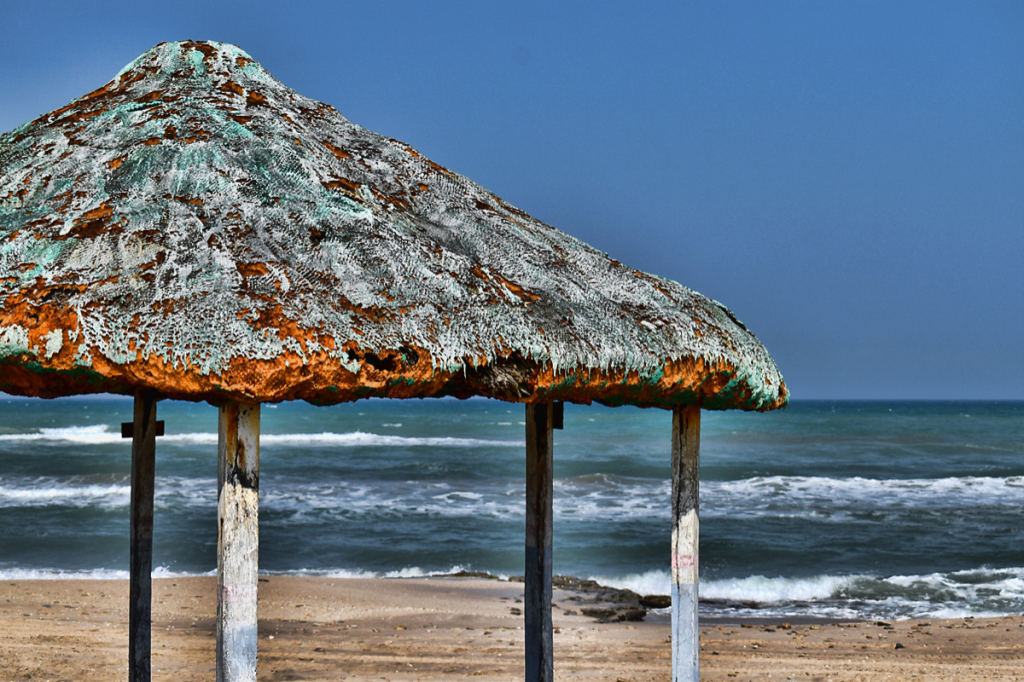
x=101 y=434
x=979 y=592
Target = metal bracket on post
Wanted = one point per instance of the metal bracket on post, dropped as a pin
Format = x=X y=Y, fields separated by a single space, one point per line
x=558 y=415
x=128 y=429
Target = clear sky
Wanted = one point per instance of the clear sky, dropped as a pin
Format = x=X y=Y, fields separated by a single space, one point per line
x=847 y=176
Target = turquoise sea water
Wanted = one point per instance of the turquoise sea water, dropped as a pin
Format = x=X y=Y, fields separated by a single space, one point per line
x=871 y=509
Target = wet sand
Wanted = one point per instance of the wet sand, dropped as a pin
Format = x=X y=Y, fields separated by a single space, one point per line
x=462 y=629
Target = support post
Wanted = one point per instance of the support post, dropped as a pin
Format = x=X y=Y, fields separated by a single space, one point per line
x=537 y=598
x=140 y=568
x=685 y=534
x=238 y=474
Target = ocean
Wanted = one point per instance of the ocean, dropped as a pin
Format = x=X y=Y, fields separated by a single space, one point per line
x=831 y=509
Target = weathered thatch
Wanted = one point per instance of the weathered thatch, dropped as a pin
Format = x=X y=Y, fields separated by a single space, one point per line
x=197 y=228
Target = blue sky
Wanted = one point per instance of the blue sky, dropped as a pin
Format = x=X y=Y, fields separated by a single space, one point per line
x=847 y=176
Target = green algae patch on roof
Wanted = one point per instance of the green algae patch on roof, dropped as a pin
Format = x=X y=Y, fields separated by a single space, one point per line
x=196 y=227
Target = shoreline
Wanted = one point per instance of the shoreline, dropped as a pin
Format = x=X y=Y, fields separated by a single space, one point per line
x=466 y=628
x=714 y=610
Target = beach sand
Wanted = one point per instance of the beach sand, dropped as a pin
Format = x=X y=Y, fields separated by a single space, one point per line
x=461 y=629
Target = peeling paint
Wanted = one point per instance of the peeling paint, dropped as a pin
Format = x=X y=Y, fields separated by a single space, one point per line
x=198 y=228
x=13 y=340
x=54 y=342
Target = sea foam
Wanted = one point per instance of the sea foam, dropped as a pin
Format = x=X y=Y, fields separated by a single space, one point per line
x=100 y=434
x=980 y=592
x=92 y=574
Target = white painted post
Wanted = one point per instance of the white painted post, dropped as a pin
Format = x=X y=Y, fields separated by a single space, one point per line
x=140 y=562
x=238 y=472
x=538 y=632
x=685 y=534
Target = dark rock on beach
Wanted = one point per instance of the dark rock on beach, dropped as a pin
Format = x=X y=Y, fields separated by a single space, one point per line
x=656 y=601
x=604 y=604
x=475 y=574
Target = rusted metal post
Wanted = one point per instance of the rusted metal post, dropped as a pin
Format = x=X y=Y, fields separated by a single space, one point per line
x=685 y=534
x=140 y=562
x=537 y=598
x=238 y=473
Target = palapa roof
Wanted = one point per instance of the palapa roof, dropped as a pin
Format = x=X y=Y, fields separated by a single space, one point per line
x=197 y=228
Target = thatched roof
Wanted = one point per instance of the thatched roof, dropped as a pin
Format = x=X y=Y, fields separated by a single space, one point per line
x=198 y=228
